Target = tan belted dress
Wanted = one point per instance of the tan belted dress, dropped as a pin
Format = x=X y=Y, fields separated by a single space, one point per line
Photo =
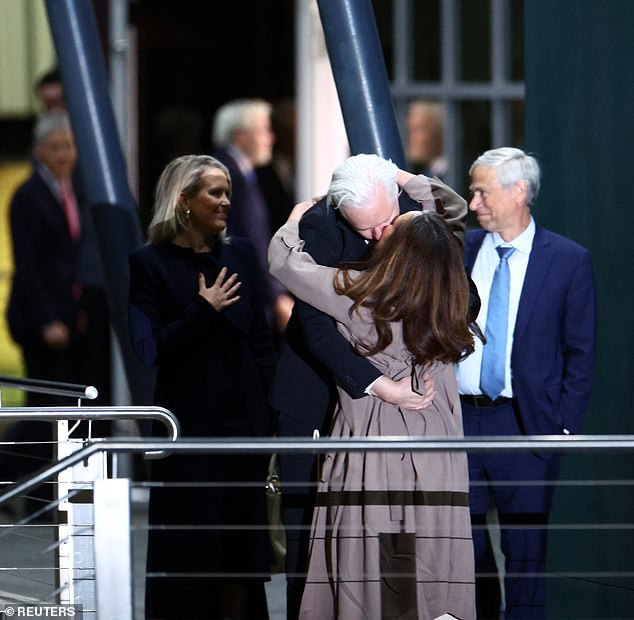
x=391 y=534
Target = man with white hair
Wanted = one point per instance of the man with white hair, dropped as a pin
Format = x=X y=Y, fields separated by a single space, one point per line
x=532 y=377
x=243 y=138
x=363 y=200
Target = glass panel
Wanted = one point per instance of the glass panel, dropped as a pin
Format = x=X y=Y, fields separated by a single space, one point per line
x=475 y=40
x=426 y=40
x=516 y=38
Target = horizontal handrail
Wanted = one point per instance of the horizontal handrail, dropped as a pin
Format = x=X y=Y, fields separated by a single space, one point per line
x=54 y=388
x=234 y=445
x=52 y=414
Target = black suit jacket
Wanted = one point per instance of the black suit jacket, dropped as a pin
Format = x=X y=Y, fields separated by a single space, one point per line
x=313 y=350
x=46 y=263
x=213 y=367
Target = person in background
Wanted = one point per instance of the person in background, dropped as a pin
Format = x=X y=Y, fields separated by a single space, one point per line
x=44 y=312
x=243 y=140
x=363 y=200
x=50 y=90
x=424 y=152
x=391 y=535
x=277 y=179
x=196 y=313
x=95 y=343
x=44 y=307
x=532 y=377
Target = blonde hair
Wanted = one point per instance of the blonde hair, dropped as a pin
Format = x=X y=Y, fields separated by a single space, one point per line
x=181 y=177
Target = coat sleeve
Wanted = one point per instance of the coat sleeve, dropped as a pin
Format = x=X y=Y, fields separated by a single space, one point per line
x=297 y=270
x=433 y=194
x=579 y=341
x=317 y=308
x=321 y=336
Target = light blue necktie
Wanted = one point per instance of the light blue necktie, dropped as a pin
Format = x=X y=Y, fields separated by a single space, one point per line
x=494 y=351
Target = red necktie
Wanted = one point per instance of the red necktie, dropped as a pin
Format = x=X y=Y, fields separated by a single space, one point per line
x=70 y=209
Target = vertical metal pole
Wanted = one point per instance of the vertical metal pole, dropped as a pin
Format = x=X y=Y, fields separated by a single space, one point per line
x=362 y=84
x=113 y=569
x=102 y=165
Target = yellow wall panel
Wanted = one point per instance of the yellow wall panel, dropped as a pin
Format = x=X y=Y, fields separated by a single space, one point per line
x=26 y=51
x=11 y=175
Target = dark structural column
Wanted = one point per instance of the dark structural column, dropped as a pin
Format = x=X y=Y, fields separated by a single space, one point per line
x=579 y=123
x=102 y=165
x=359 y=70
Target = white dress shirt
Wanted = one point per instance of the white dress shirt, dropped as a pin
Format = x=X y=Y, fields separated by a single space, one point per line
x=468 y=371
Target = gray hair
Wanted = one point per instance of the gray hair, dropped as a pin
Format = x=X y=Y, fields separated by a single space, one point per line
x=235 y=115
x=49 y=123
x=354 y=182
x=512 y=165
x=181 y=176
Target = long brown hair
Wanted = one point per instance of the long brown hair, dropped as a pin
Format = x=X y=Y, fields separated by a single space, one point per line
x=415 y=276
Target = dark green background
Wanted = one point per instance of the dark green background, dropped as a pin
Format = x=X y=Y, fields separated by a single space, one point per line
x=579 y=65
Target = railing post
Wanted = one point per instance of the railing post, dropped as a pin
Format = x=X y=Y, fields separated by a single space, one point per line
x=113 y=549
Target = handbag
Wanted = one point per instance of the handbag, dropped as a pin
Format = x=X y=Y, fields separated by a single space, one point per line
x=277 y=534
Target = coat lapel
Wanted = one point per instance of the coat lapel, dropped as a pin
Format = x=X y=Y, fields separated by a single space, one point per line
x=472 y=247
x=538 y=264
x=239 y=313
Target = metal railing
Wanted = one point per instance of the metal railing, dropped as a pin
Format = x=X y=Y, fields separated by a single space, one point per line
x=109 y=530
x=69 y=554
x=113 y=571
x=53 y=388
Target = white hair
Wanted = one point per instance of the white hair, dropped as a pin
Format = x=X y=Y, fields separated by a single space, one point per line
x=49 y=123
x=354 y=182
x=512 y=165
x=235 y=115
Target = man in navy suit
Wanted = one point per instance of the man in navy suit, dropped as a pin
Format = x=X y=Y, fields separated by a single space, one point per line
x=243 y=140
x=545 y=370
x=362 y=202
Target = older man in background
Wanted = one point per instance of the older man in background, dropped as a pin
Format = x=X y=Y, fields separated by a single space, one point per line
x=44 y=314
x=243 y=140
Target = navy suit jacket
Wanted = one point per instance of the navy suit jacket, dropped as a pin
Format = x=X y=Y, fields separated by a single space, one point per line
x=251 y=219
x=553 y=354
x=46 y=263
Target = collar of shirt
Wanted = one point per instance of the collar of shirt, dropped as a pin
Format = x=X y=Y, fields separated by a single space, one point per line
x=244 y=163
x=522 y=243
x=51 y=182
